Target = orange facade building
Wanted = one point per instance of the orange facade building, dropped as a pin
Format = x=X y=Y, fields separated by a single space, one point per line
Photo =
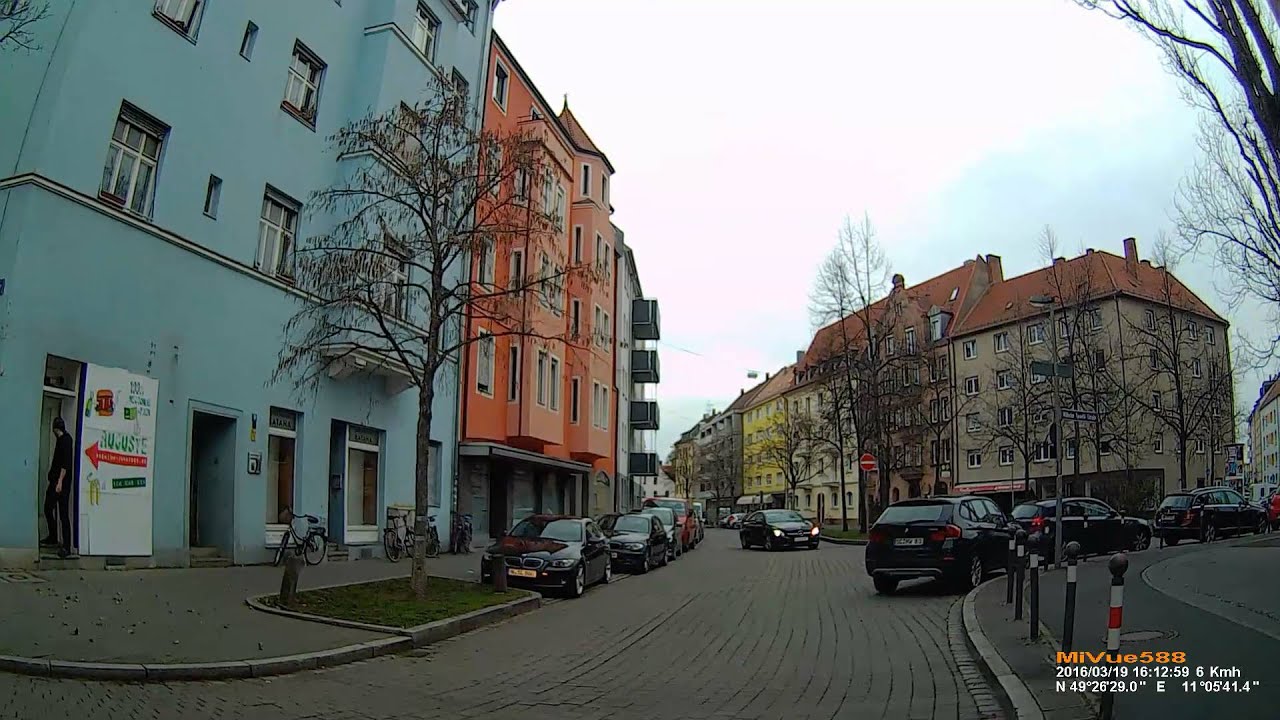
x=538 y=411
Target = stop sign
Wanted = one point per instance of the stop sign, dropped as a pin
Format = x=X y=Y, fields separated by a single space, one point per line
x=867 y=462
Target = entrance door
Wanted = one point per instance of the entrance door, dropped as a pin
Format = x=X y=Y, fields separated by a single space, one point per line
x=211 y=516
x=363 y=470
x=52 y=406
x=479 y=488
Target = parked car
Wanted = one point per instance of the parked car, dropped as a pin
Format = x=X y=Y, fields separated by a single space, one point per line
x=552 y=551
x=1089 y=521
x=667 y=517
x=701 y=514
x=777 y=529
x=955 y=538
x=636 y=541
x=1206 y=514
x=686 y=520
x=1273 y=511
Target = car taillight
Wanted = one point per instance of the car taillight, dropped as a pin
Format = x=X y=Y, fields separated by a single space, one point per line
x=878 y=536
x=1037 y=523
x=950 y=531
x=1190 y=516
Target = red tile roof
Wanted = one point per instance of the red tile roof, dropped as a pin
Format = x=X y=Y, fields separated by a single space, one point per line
x=579 y=136
x=777 y=384
x=745 y=399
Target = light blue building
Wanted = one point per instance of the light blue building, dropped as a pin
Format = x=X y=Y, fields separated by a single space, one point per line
x=155 y=160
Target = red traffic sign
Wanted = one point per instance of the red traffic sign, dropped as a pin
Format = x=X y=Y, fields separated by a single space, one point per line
x=867 y=462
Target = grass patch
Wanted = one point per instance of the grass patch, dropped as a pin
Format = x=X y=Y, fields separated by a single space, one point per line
x=391 y=602
x=850 y=534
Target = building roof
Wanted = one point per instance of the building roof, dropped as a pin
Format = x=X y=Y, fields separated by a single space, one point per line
x=776 y=385
x=554 y=121
x=1107 y=274
x=580 y=138
x=746 y=397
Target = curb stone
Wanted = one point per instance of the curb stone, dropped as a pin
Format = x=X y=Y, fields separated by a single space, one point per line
x=1019 y=696
x=399 y=640
x=989 y=706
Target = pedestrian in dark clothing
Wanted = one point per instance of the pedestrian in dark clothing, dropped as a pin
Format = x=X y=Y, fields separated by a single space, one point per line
x=57 y=497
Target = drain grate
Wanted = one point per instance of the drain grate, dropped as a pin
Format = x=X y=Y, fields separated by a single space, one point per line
x=1146 y=635
x=20 y=577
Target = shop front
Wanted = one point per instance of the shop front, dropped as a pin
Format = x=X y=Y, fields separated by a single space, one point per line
x=501 y=485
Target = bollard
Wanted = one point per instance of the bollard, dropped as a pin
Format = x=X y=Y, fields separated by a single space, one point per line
x=1117 y=565
x=293 y=565
x=1020 y=568
x=498 y=571
x=1072 y=551
x=1035 y=539
x=1008 y=573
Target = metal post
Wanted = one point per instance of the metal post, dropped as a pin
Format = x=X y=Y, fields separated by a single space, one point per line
x=1117 y=565
x=1036 y=539
x=1008 y=574
x=498 y=571
x=1057 y=449
x=1072 y=551
x=1021 y=569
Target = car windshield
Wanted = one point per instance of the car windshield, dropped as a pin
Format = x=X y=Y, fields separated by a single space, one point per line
x=548 y=529
x=632 y=524
x=1024 y=512
x=664 y=515
x=1176 y=501
x=776 y=516
x=914 y=512
x=676 y=506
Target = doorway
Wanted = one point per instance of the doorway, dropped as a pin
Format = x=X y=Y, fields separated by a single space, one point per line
x=211 y=514
x=53 y=405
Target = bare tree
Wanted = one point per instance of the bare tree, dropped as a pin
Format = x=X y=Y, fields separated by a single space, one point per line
x=833 y=433
x=16 y=20
x=684 y=468
x=719 y=467
x=1225 y=55
x=404 y=259
x=784 y=443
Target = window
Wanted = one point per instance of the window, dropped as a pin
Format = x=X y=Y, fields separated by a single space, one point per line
x=585 y=187
x=500 y=82
x=1195 y=367
x=970 y=349
x=1153 y=359
x=468 y=8
x=461 y=87
x=487 y=261
x=426 y=28
x=1002 y=342
x=935 y=410
x=1095 y=320
x=1037 y=378
x=555 y=383
x=212 y=194
x=1208 y=335
x=575 y=319
x=517 y=269
x=1199 y=446
x=1004 y=417
x=513 y=371
x=133 y=157
x=1064 y=328
x=277 y=230
x=577 y=244
x=1006 y=455
x=282 y=439
x=534 y=114
x=1156 y=401
x=1149 y=319
x=972 y=424
x=911 y=340
x=890 y=346
x=606 y=330
x=975 y=459
x=1035 y=334
x=248 y=41
x=388 y=277
x=597 y=325
x=1104 y=447
x=1099 y=359
x=971 y=385
x=575 y=399
x=544 y=279
x=1071 y=448
x=302 y=88
x=604 y=189
x=606 y=262
x=484 y=364
x=181 y=15
x=1043 y=452
x=560 y=207
x=541 y=387
x=521 y=180
x=1193 y=329
x=1157 y=445
x=935 y=327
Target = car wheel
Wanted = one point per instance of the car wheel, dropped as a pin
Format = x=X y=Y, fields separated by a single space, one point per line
x=1210 y=532
x=769 y=544
x=743 y=539
x=1141 y=541
x=608 y=573
x=647 y=564
x=1261 y=527
x=977 y=571
x=665 y=559
x=884 y=585
x=814 y=546
x=579 y=584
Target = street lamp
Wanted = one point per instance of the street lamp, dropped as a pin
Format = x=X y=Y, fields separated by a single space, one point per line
x=1050 y=302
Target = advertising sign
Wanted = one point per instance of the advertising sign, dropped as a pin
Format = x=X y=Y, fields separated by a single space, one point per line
x=1235 y=461
x=117 y=462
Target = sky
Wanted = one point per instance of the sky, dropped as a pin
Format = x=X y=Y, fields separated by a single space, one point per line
x=744 y=131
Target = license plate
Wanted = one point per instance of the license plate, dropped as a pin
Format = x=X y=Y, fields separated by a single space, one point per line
x=907 y=542
x=800 y=539
x=522 y=573
x=613 y=555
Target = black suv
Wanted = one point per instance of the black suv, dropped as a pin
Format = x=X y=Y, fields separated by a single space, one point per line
x=1092 y=523
x=958 y=539
x=1206 y=514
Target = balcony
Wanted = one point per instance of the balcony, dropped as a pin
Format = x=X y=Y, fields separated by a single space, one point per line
x=644 y=366
x=644 y=320
x=642 y=464
x=644 y=415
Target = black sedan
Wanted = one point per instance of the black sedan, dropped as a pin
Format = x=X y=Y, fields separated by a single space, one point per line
x=636 y=541
x=1206 y=514
x=777 y=529
x=552 y=552
x=956 y=539
x=1092 y=523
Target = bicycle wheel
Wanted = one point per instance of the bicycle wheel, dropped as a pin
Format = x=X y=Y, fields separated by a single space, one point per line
x=391 y=545
x=433 y=543
x=315 y=549
x=410 y=543
x=284 y=544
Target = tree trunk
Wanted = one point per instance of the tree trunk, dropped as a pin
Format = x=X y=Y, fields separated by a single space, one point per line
x=422 y=457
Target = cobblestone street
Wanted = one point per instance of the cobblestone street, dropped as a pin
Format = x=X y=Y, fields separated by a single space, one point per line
x=722 y=633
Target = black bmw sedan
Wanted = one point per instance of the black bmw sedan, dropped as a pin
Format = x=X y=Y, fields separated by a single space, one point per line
x=636 y=541
x=553 y=552
x=777 y=529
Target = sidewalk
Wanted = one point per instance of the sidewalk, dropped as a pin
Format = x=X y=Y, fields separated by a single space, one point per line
x=179 y=615
x=1031 y=663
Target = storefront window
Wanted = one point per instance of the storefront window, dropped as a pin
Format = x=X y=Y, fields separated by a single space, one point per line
x=362 y=487
x=281 y=457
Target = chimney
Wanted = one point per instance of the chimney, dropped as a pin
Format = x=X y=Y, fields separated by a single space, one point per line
x=995 y=270
x=899 y=282
x=1088 y=251
x=1059 y=261
x=1131 y=254
x=766 y=376
x=741 y=392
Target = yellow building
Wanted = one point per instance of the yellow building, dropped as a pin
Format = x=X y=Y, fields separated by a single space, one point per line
x=763 y=481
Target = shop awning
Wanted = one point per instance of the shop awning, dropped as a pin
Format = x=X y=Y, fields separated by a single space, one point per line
x=488 y=449
x=990 y=487
x=748 y=500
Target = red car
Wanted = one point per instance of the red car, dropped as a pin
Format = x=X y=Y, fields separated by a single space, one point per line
x=1272 y=504
x=686 y=519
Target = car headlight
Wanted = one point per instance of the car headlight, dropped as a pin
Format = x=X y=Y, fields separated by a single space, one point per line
x=563 y=563
x=634 y=546
x=813 y=530
x=777 y=532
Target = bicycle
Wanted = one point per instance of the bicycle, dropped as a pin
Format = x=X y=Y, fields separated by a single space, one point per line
x=433 y=537
x=460 y=537
x=398 y=539
x=312 y=545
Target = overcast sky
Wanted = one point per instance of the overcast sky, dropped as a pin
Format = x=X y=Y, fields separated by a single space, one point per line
x=743 y=131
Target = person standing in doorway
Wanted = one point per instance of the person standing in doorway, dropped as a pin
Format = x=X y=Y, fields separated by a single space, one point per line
x=57 y=497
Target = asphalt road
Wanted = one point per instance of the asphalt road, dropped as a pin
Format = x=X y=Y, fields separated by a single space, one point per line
x=721 y=633
x=1220 y=604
